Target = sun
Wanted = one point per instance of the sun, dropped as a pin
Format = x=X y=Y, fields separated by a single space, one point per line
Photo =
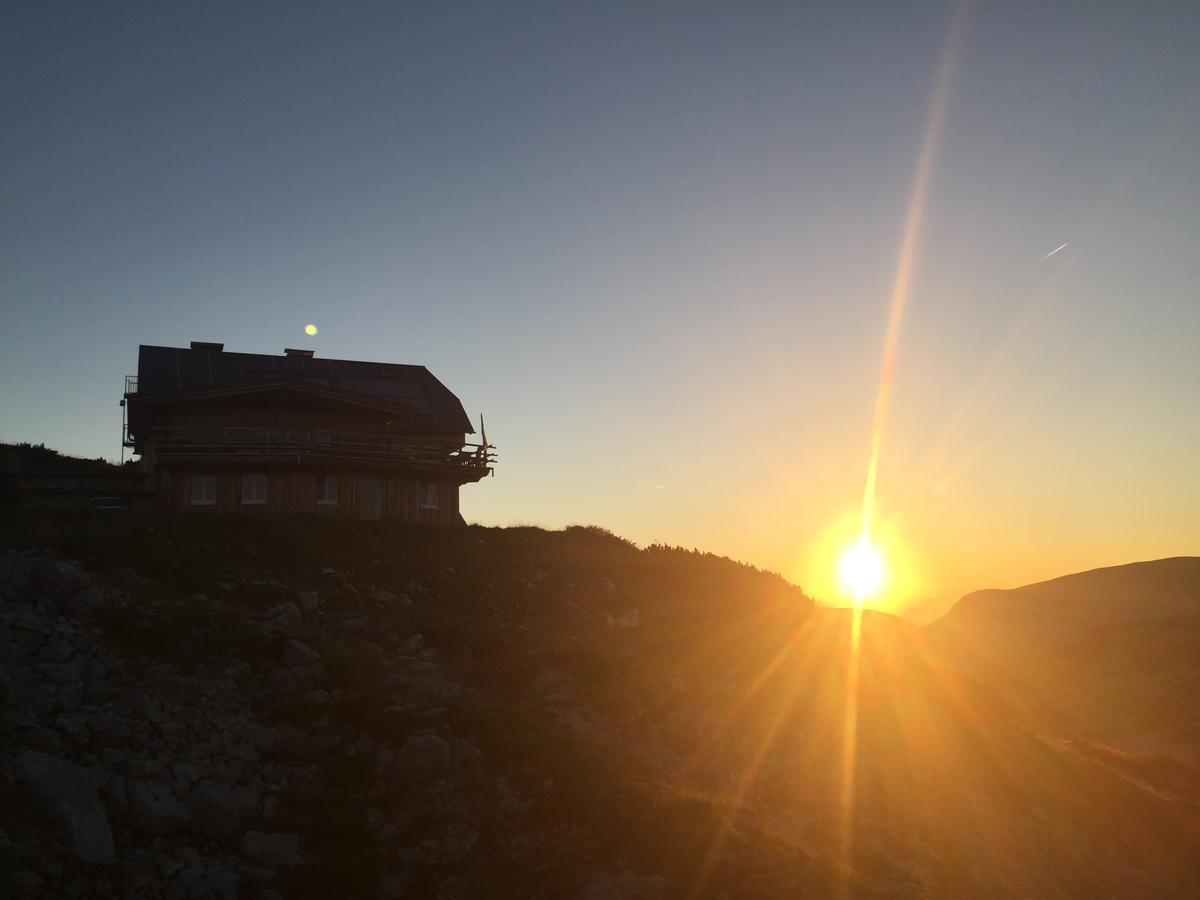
x=861 y=570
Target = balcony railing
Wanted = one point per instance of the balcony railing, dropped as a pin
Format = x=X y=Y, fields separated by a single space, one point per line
x=131 y=384
x=314 y=444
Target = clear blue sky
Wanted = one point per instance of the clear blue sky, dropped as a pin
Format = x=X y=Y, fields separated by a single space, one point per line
x=654 y=245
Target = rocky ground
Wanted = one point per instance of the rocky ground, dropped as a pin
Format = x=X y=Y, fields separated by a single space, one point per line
x=257 y=740
x=133 y=777
x=196 y=707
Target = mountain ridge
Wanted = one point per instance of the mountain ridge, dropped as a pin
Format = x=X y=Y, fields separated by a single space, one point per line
x=1073 y=594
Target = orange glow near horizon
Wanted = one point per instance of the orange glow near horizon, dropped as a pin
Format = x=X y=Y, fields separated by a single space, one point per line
x=881 y=573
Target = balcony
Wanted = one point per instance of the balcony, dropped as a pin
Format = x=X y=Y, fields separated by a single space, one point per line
x=241 y=443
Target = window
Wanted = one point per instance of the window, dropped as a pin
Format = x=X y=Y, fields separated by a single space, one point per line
x=254 y=489
x=204 y=490
x=246 y=435
x=327 y=490
x=429 y=495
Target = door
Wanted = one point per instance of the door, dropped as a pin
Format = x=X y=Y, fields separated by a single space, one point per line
x=370 y=499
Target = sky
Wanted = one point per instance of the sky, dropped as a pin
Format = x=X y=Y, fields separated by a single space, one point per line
x=656 y=246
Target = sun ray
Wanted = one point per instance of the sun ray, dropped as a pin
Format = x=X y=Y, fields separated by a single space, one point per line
x=747 y=780
x=901 y=289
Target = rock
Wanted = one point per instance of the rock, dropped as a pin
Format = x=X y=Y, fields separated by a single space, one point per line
x=412 y=645
x=272 y=849
x=257 y=877
x=602 y=887
x=292 y=743
x=467 y=756
x=300 y=656
x=55 y=580
x=116 y=797
x=310 y=600
x=635 y=885
x=387 y=598
x=129 y=577
x=154 y=810
x=108 y=732
x=423 y=693
x=72 y=799
x=391 y=887
x=189 y=883
x=26 y=884
x=58 y=650
x=85 y=602
x=627 y=619
x=249 y=797
x=69 y=697
x=223 y=882
x=285 y=618
x=320 y=745
x=74 y=728
x=215 y=810
x=8 y=691
x=423 y=758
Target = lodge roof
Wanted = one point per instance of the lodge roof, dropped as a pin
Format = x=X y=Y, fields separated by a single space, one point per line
x=169 y=370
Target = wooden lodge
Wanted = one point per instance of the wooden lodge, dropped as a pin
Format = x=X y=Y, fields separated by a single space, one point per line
x=247 y=432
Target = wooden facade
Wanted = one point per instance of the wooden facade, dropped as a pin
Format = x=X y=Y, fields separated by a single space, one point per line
x=361 y=493
x=262 y=435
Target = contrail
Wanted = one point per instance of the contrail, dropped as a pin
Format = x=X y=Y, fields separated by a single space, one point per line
x=1052 y=252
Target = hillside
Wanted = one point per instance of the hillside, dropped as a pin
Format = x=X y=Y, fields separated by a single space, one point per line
x=1110 y=655
x=1060 y=610
x=39 y=459
x=251 y=707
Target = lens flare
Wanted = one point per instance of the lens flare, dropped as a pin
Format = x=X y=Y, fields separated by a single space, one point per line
x=310 y=329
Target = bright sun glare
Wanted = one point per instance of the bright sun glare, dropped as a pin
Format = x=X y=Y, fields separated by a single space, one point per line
x=861 y=570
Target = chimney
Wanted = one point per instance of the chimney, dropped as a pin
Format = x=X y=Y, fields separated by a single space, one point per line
x=292 y=351
x=207 y=345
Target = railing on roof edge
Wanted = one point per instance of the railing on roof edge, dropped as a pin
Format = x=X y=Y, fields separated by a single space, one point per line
x=316 y=443
x=131 y=384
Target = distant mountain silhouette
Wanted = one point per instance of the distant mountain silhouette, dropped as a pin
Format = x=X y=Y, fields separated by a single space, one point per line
x=1052 y=611
x=1111 y=655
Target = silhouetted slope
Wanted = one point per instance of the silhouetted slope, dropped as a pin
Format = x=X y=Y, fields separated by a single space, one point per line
x=1059 y=610
x=1110 y=655
x=518 y=713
